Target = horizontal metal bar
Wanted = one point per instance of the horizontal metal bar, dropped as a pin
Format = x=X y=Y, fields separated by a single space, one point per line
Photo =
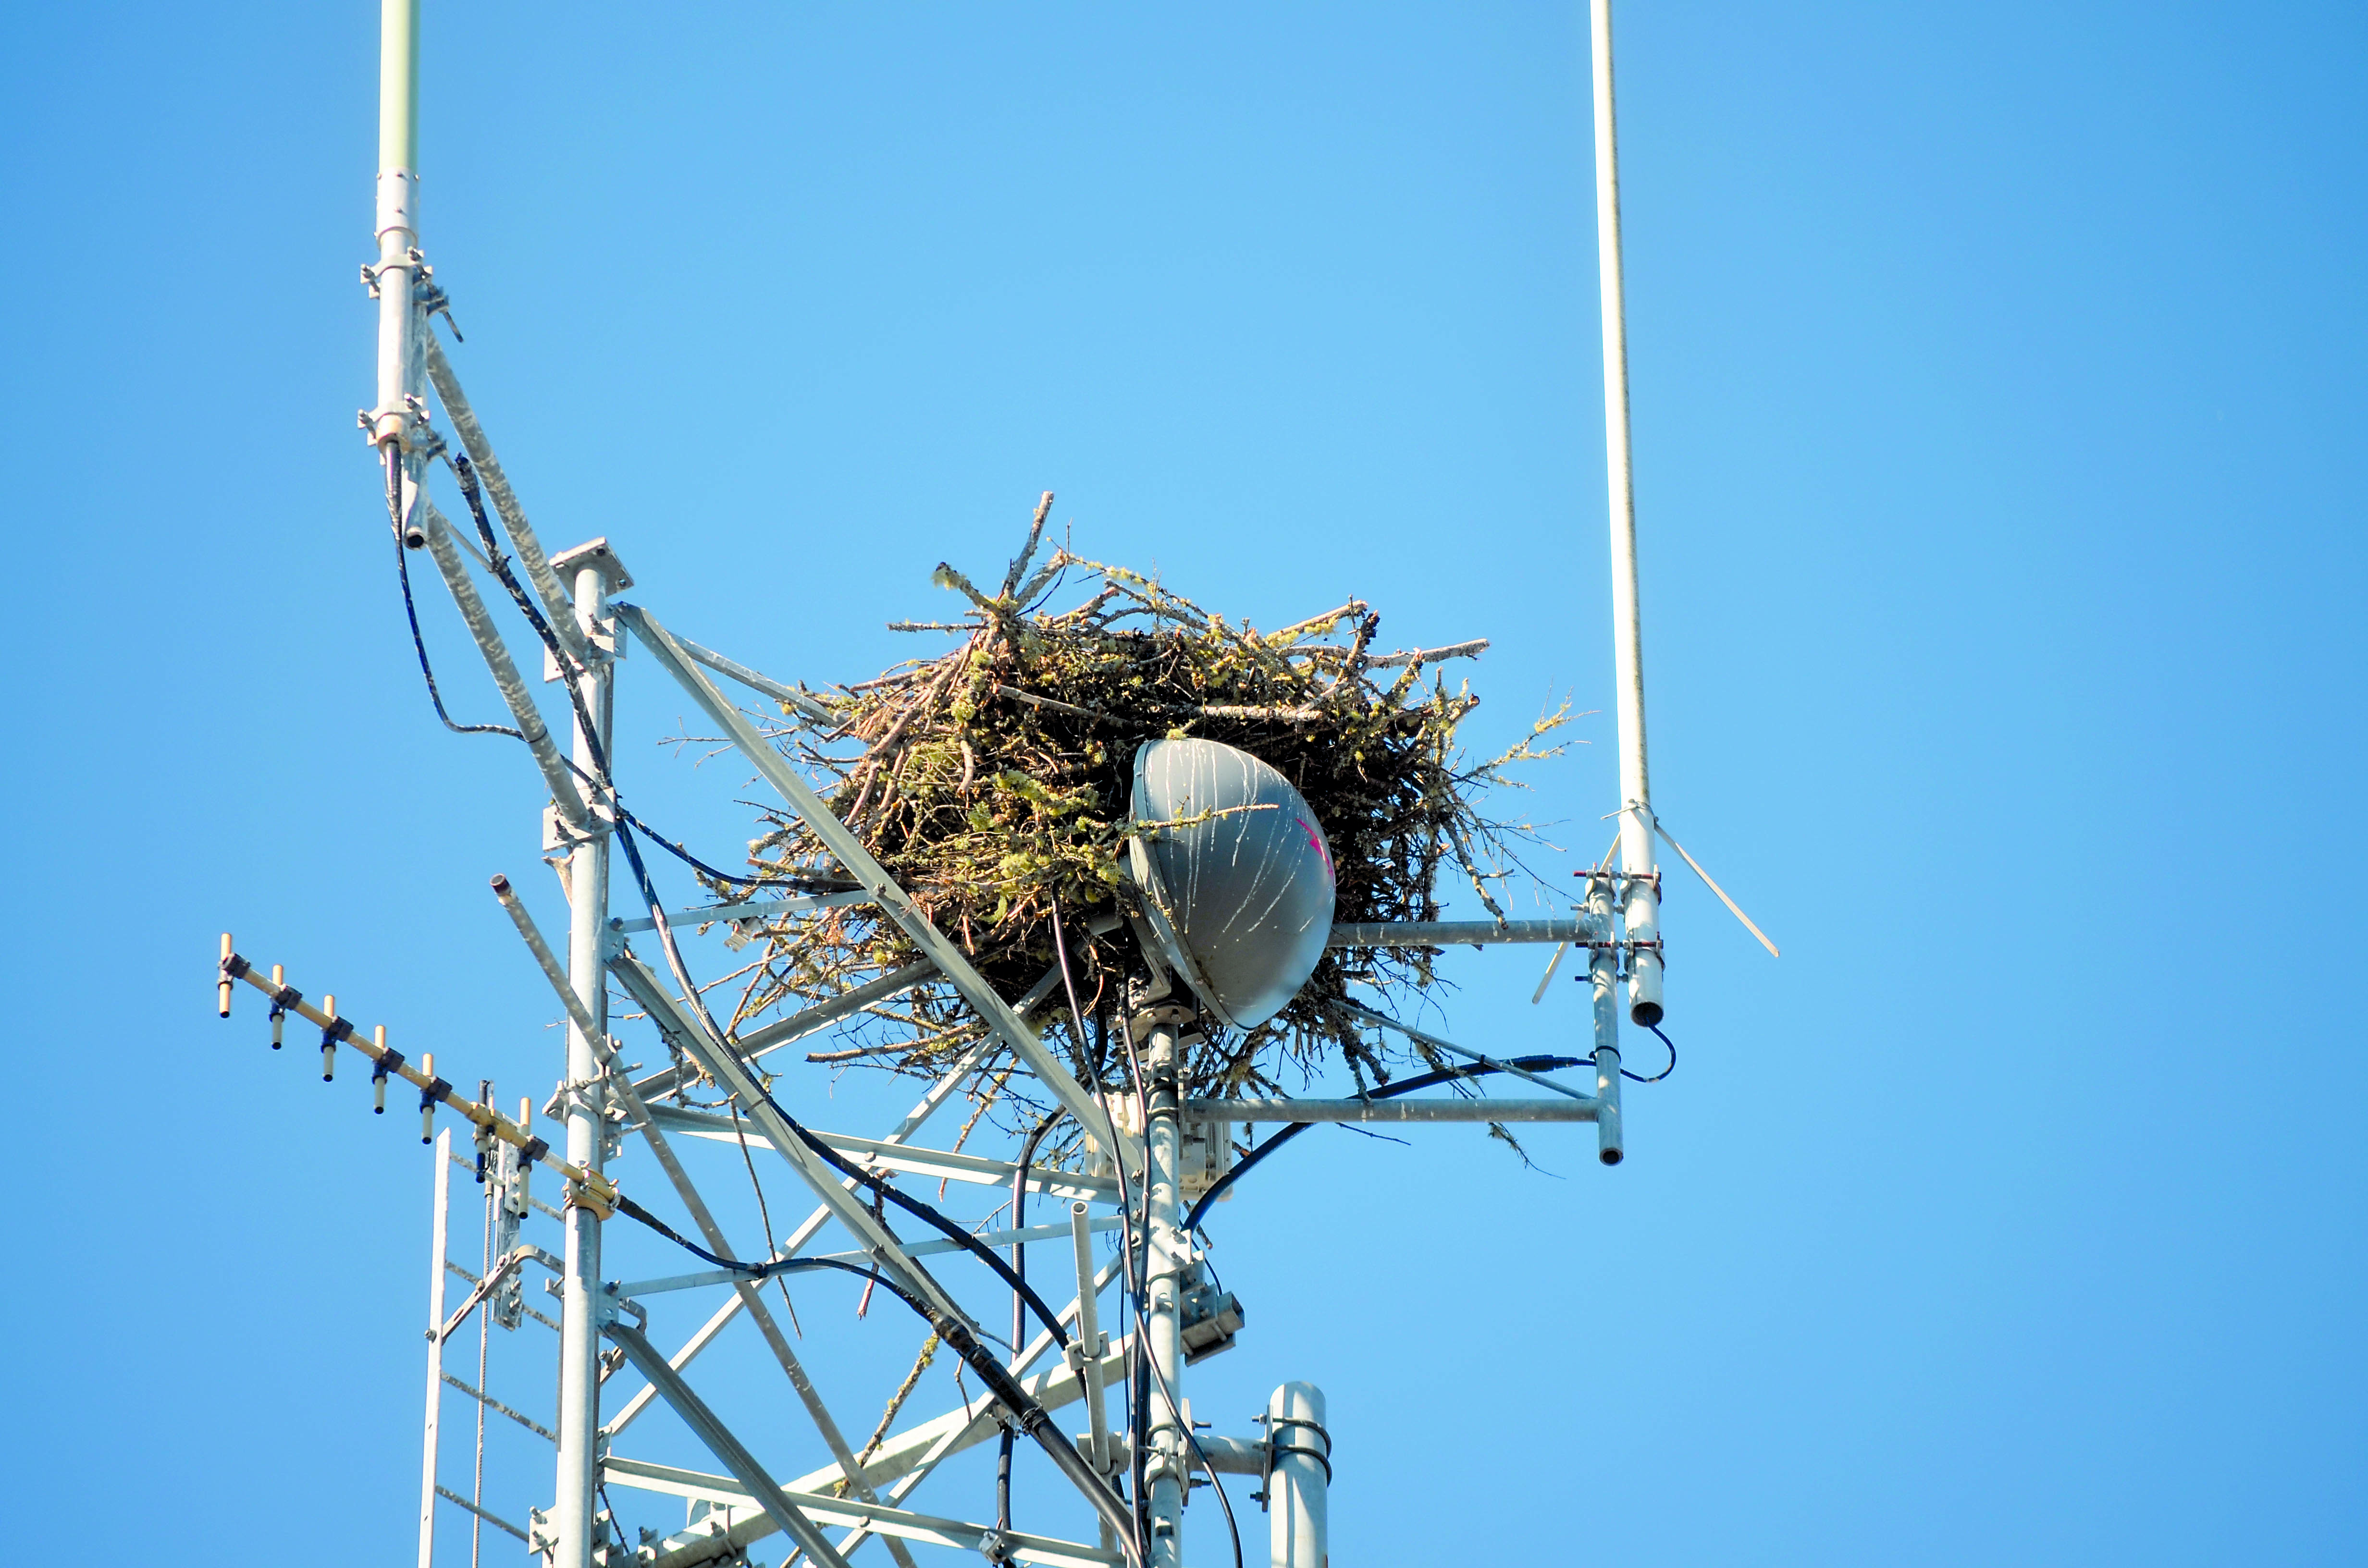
x=903 y=1158
x=879 y=1518
x=482 y=1397
x=683 y=918
x=495 y=1519
x=1108 y=1222
x=1401 y=1111
x=1225 y=1455
x=1465 y=933
x=632 y=1289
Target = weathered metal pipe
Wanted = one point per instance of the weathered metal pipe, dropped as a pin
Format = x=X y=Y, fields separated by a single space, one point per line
x=1467 y=932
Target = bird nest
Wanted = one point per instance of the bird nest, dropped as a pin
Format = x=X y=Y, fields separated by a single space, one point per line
x=993 y=781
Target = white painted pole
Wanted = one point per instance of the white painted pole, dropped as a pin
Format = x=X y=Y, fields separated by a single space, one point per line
x=1643 y=902
x=580 y=1354
x=398 y=212
x=1090 y=1346
x=1604 y=974
x=1165 y=1470
x=1300 y=1482
x=443 y=1188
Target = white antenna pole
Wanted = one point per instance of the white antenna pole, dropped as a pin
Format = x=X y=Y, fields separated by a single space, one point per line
x=435 y=1348
x=582 y=1308
x=1642 y=895
x=398 y=213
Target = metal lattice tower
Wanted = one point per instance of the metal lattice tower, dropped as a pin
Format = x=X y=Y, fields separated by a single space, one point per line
x=1161 y=1152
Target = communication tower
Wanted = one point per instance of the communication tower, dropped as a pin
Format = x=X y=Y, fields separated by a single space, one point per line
x=1214 y=949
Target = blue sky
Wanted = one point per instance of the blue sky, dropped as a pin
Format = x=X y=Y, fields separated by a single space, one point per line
x=1999 y=482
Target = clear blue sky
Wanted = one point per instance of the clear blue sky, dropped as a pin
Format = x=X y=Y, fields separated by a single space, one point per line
x=1999 y=405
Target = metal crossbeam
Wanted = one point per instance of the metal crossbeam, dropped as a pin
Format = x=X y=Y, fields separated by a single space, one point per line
x=876 y=1518
x=937 y=1163
x=1399 y=1111
x=1578 y=927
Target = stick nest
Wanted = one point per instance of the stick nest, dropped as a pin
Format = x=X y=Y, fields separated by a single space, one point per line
x=992 y=782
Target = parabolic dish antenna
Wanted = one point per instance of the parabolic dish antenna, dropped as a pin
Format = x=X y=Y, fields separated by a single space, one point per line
x=1237 y=878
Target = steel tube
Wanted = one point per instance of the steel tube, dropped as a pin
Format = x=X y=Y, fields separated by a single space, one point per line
x=435 y=1348
x=1399 y=1111
x=397 y=216
x=1298 y=1490
x=1164 y=1471
x=1603 y=976
x=488 y=638
x=581 y=1301
x=523 y=541
x=1465 y=933
x=1642 y=905
x=1090 y=1336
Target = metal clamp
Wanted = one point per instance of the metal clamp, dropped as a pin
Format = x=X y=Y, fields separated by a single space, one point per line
x=1275 y=1445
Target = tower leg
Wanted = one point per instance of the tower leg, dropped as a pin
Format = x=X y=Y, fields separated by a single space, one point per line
x=579 y=1352
x=1301 y=1477
x=1165 y=1468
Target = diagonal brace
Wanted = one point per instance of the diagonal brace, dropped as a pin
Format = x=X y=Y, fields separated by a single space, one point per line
x=848 y=848
x=722 y=1444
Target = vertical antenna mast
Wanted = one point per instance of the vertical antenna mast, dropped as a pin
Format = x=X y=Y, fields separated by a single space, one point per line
x=398 y=216
x=1641 y=896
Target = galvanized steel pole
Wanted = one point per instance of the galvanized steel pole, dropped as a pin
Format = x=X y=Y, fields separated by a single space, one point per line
x=1603 y=975
x=443 y=1189
x=581 y=1298
x=1300 y=1478
x=398 y=211
x=1164 y=1466
x=1643 y=903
